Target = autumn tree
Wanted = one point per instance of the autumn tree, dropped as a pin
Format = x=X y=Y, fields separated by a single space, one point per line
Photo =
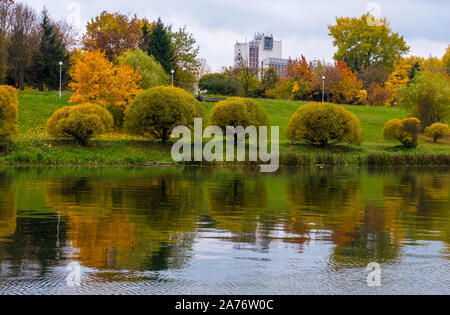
x=92 y=76
x=23 y=44
x=341 y=83
x=97 y=80
x=112 y=33
x=374 y=73
x=378 y=95
x=5 y=7
x=361 y=44
x=400 y=77
x=68 y=34
x=437 y=131
x=302 y=72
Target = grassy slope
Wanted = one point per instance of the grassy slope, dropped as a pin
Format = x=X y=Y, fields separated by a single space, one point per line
x=33 y=145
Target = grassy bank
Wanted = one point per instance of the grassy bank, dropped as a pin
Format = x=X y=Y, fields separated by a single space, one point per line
x=34 y=147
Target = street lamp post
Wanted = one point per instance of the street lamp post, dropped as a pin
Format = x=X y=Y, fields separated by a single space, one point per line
x=60 y=78
x=323 y=89
x=173 y=72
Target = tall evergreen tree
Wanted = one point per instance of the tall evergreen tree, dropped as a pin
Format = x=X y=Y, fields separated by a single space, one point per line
x=412 y=74
x=51 y=52
x=144 y=44
x=161 y=47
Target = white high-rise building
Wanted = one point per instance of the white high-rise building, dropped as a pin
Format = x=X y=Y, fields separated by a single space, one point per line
x=261 y=53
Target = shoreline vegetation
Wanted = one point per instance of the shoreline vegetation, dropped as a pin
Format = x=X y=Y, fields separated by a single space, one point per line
x=34 y=147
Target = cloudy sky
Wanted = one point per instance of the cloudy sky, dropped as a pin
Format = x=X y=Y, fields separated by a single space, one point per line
x=302 y=25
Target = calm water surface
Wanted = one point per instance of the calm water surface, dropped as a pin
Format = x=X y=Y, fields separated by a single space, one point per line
x=224 y=231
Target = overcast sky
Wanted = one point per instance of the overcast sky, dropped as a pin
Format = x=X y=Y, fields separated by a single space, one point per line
x=301 y=25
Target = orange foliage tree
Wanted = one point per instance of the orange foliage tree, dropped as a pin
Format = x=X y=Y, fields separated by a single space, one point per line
x=302 y=73
x=113 y=33
x=342 y=84
x=97 y=80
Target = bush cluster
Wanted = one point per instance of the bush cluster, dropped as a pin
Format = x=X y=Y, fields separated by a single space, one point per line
x=406 y=131
x=80 y=123
x=235 y=112
x=8 y=117
x=220 y=84
x=437 y=131
x=157 y=111
x=323 y=124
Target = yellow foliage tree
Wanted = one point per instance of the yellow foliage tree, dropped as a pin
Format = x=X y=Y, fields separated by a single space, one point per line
x=437 y=131
x=126 y=86
x=92 y=76
x=406 y=131
x=97 y=80
x=397 y=79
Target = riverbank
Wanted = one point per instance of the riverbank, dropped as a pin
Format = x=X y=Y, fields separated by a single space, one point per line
x=34 y=147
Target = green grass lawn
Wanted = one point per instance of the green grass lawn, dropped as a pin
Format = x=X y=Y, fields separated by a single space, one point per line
x=35 y=147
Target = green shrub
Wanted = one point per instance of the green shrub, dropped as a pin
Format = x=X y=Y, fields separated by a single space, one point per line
x=427 y=98
x=437 y=131
x=8 y=117
x=324 y=123
x=152 y=72
x=406 y=131
x=282 y=91
x=81 y=122
x=220 y=84
x=157 y=111
x=235 y=112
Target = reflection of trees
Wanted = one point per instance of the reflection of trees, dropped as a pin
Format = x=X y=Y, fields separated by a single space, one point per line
x=8 y=208
x=422 y=202
x=30 y=241
x=127 y=224
x=326 y=200
x=239 y=204
x=371 y=240
x=331 y=200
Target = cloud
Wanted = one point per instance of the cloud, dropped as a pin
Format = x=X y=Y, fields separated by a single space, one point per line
x=302 y=25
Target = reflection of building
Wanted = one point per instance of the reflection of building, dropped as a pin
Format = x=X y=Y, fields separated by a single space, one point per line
x=262 y=52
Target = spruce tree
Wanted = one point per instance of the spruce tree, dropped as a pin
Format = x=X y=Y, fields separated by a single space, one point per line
x=161 y=47
x=145 y=38
x=51 y=52
x=414 y=70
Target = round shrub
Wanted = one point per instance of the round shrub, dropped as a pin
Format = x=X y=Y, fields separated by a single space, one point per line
x=406 y=131
x=157 y=111
x=235 y=112
x=437 y=131
x=81 y=122
x=8 y=117
x=324 y=123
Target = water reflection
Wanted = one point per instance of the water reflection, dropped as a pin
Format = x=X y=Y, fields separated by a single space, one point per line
x=159 y=219
x=137 y=224
x=8 y=208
